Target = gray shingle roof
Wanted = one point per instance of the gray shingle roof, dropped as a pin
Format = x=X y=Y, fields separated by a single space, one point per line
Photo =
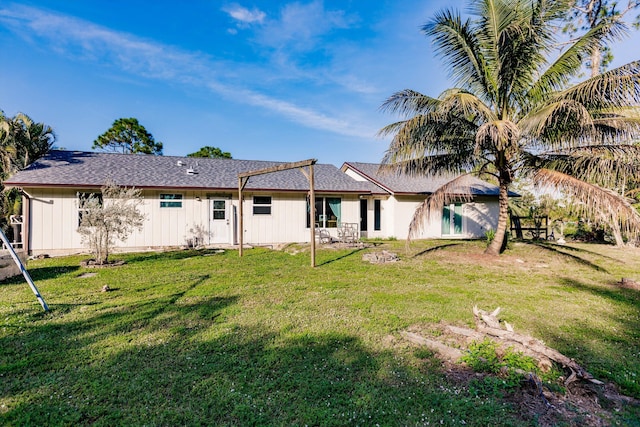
x=403 y=184
x=88 y=169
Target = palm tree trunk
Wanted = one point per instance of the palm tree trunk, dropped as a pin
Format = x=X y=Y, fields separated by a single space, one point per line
x=495 y=246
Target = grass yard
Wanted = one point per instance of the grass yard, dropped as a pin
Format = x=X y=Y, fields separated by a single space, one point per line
x=206 y=338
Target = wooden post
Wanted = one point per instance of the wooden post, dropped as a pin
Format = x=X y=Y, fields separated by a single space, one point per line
x=241 y=183
x=243 y=178
x=26 y=223
x=312 y=215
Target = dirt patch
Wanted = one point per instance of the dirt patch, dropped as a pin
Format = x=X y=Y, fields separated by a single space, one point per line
x=87 y=275
x=582 y=404
x=91 y=263
x=628 y=284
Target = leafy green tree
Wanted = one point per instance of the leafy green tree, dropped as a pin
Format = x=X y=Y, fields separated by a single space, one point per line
x=128 y=136
x=514 y=112
x=211 y=152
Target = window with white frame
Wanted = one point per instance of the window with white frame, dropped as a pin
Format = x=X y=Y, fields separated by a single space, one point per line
x=262 y=205
x=168 y=200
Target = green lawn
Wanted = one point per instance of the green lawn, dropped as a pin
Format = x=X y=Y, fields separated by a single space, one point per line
x=206 y=338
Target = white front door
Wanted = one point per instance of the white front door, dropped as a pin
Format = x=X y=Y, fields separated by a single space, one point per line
x=220 y=221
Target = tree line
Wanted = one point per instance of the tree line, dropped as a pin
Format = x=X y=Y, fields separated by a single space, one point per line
x=127 y=135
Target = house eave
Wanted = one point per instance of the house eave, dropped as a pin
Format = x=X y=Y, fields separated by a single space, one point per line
x=187 y=188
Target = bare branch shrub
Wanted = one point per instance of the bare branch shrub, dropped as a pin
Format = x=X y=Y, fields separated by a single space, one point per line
x=108 y=218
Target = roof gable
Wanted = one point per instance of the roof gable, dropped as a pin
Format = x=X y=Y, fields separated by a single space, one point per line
x=403 y=184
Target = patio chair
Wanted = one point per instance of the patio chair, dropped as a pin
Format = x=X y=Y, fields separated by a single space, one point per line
x=323 y=235
x=348 y=233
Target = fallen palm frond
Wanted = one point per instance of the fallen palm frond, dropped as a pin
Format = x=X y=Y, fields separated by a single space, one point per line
x=488 y=326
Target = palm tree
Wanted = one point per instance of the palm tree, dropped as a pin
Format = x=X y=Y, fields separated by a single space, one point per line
x=7 y=149
x=22 y=141
x=32 y=140
x=515 y=112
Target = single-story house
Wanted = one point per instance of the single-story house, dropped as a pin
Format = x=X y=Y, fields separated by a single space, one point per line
x=196 y=198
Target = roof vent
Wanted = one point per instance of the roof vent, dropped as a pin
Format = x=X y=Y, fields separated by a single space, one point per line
x=180 y=163
x=191 y=171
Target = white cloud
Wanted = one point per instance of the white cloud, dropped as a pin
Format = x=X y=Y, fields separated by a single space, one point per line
x=302 y=25
x=244 y=15
x=86 y=41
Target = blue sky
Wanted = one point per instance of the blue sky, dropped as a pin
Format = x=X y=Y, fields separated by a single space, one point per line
x=263 y=80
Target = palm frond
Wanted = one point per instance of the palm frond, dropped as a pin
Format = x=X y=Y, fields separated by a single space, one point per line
x=408 y=102
x=594 y=201
x=617 y=124
x=456 y=190
x=617 y=88
x=457 y=44
x=429 y=134
x=433 y=165
x=570 y=62
x=558 y=124
x=497 y=16
x=610 y=166
x=460 y=102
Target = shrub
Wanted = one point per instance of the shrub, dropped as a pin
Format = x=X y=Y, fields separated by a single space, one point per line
x=489 y=235
x=109 y=217
x=486 y=356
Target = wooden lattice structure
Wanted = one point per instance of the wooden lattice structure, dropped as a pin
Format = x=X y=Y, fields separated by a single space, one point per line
x=243 y=178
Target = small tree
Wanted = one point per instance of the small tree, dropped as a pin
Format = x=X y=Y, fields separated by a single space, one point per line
x=108 y=217
x=211 y=152
x=128 y=136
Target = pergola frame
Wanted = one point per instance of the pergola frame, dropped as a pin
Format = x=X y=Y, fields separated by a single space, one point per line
x=243 y=178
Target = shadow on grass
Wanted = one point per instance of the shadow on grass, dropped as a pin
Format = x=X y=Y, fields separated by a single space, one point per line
x=628 y=297
x=546 y=244
x=338 y=258
x=560 y=250
x=175 y=358
x=168 y=255
x=612 y=346
x=212 y=374
x=42 y=273
x=436 y=248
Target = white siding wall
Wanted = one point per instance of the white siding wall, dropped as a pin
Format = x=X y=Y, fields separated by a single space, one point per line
x=397 y=213
x=54 y=220
x=481 y=216
x=288 y=220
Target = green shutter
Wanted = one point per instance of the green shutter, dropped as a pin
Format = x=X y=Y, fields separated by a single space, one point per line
x=457 y=219
x=446 y=220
